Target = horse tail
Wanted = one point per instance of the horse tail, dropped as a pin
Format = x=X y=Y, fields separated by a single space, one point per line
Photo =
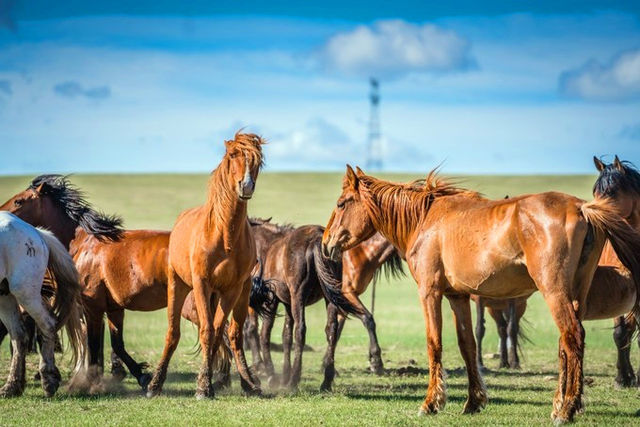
x=329 y=274
x=67 y=304
x=392 y=267
x=262 y=295
x=602 y=214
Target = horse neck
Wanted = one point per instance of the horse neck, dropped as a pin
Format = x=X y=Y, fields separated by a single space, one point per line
x=384 y=219
x=63 y=227
x=226 y=212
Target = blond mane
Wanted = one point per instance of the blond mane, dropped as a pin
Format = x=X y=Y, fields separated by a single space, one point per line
x=222 y=195
x=396 y=209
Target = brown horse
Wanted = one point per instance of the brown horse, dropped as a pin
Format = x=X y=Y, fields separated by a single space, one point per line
x=613 y=293
x=458 y=243
x=507 y=314
x=125 y=272
x=361 y=266
x=212 y=251
x=299 y=276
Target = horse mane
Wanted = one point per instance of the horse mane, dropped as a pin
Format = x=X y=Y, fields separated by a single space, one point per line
x=396 y=209
x=221 y=195
x=271 y=226
x=611 y=180
x=76 y=207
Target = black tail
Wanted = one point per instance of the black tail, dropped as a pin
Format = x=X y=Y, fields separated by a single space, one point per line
x=330 y=277
x=392 y=267
x=261 y=296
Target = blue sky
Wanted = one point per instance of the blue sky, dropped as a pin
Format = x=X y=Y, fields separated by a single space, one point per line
x=496 y=87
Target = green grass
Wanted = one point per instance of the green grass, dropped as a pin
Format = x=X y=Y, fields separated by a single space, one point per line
x=524 y=397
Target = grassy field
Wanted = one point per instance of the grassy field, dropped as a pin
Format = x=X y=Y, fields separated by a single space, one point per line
x=359 y=398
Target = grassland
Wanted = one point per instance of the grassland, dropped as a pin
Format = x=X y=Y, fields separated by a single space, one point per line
x=359 y=398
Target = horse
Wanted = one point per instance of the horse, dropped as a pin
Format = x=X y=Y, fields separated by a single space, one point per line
x=507 y=314
x=612 y=293
x=104 y=254
x=298 y=276
x=26 y=253
x=457 y=243
x=212 y=252
x=361 y=266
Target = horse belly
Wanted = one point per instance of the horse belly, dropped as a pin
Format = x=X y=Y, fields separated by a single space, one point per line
x=612 y=294
x=510 y=281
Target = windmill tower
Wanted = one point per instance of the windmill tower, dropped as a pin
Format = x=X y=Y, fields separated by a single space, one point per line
x=374 y=142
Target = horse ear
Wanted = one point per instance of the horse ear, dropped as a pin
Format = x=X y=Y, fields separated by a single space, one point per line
x=42 y=188
x=359 y=172
x=599 y=164
x=350 y=178
x=618 y=164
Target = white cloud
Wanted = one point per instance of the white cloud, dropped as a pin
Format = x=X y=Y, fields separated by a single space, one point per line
x=617 y=80
x=393 y=48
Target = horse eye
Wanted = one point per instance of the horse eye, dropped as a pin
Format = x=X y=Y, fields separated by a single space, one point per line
x=341 y=204
x=18 y=202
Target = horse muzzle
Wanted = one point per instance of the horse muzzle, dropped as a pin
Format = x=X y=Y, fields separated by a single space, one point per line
x=331 y=251
x=246 y=189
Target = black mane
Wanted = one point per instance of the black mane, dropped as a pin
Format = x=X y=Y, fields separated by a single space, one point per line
x=266 y=222
x=98 y=224
x=612 y=180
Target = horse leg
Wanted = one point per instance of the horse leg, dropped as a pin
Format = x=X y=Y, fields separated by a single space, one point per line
x=202 y=299
x=116 y=323
x=431 y=300
x=480 y=330
x=177 y=291
x=265 y=341
x=253 y=339
x=513 y=331
x=501 y=325
x=49 y=374
x=375 y=354
x=299 y=333
x=10 y=317
x=95 y=337
x=462 y=315
x=287 y=339
x=622 y=338
x=3 y=332
x=331 y=330
x=568 y=398
x=250 y=384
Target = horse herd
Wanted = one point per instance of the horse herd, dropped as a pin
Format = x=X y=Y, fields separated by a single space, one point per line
x=64 y=264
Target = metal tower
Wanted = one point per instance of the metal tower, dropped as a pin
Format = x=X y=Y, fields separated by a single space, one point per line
x=374 y=142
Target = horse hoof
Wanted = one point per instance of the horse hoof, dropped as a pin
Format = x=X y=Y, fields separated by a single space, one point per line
x=152 y=392
x=273 y=382
x=144 y=381
x=10 y=390
x=36 y=376
x=50 y=389
x=325 y=388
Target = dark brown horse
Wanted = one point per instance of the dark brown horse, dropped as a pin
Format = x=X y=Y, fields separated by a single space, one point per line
x=212 y=252
x=507 y=314
x=613 y=293
x=458 y=243
x=299 y=276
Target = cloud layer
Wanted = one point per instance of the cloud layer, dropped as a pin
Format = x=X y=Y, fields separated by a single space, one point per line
x=394 y=48
x=72 y=89
x=618 y=80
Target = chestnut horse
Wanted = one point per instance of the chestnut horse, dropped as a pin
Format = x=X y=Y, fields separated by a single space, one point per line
x=612 y=293
x=119 y=270
x=212 y=252
x=458 y=243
